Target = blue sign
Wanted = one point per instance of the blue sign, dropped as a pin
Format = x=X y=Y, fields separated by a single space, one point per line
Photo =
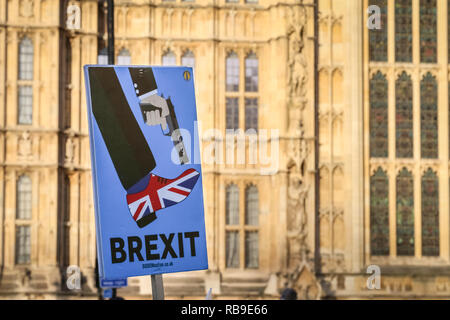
x=118 y=283
x=147 y=178
x=107 y=293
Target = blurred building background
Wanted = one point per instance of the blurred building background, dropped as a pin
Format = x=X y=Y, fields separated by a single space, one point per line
x=363 y=147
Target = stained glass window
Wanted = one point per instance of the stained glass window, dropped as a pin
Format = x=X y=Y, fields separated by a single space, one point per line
x=378 y=116
x=428 y=32
x=405 y=213
x=404 y=116
x=430 y=214
x=26 y=59
x=379 y=213
x=428 y=117
x=403 y=30
x=378 y=37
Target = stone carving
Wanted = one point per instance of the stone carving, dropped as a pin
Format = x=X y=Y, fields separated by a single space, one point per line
x=24 y=149
x=26 y=8
x=70 y=150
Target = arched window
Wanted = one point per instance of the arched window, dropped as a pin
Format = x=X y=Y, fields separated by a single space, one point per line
x=378 y=37
x=251 y=206
x=403 y=30
x=428 y=31
x=428 y=117
x=404 y=116
x=251 y=73
x=430 y=214
x=232 y=205
x=379 y=213
x=124 y=57
x=188 y=59
x=25 y=59
x=232 y=72
x=169 y=59
x=405 y=213
x=25 y=104
x=23 y=204
x=378 y=116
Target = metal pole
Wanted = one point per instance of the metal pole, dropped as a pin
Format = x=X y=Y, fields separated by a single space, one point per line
x=110 y=23
x=157 y=287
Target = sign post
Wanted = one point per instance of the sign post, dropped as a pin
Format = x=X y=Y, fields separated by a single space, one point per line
x=146 y=171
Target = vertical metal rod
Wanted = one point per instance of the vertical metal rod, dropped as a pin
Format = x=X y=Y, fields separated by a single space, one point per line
x=110 y=23
x=157 y=287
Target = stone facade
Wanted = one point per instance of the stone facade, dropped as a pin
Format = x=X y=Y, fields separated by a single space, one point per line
x=314 y=211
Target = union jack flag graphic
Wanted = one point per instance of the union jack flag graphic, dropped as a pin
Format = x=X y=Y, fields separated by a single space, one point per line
x=160 y=193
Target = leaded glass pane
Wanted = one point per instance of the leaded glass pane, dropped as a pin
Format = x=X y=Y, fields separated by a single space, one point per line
x=251 y=73
x=379 y=213
x=378 y=116
x=251 y=206
x=428 y=32
x=232 y=113
x=23 y=245
x=378 y=37
x=251 y=250
x=188 y=59
x=403 y=30
x=404 y=116
x=25 y=59
x=169 y=59
x=124 y=57
x=25 y=101
x=232 y=72
x=428 y=117
x=23 y=198
x=251 y=113
x=232 y=205
x=232 y=249
x=405 y=213
x=430 y=214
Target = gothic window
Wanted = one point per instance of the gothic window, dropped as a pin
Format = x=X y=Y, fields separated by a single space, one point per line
x=251 y=73
x=430 y=214
x=23 y=205
x=378 y=116
x=403 y=30
x=232 y=72
x=23 y=244
x=404 y=116
x=188 y=59
x=25 y=59
x=124 y=57
x=405 y=213
x=232 y=205
x=251 y=249
x=379 y=213
x=251 y=113
x=169 y=59
x=232 y=249
x=378 y=37
x=232 y=113
x=251 y=206
x=428 y=117
x=25 y=104
x=428 y=32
